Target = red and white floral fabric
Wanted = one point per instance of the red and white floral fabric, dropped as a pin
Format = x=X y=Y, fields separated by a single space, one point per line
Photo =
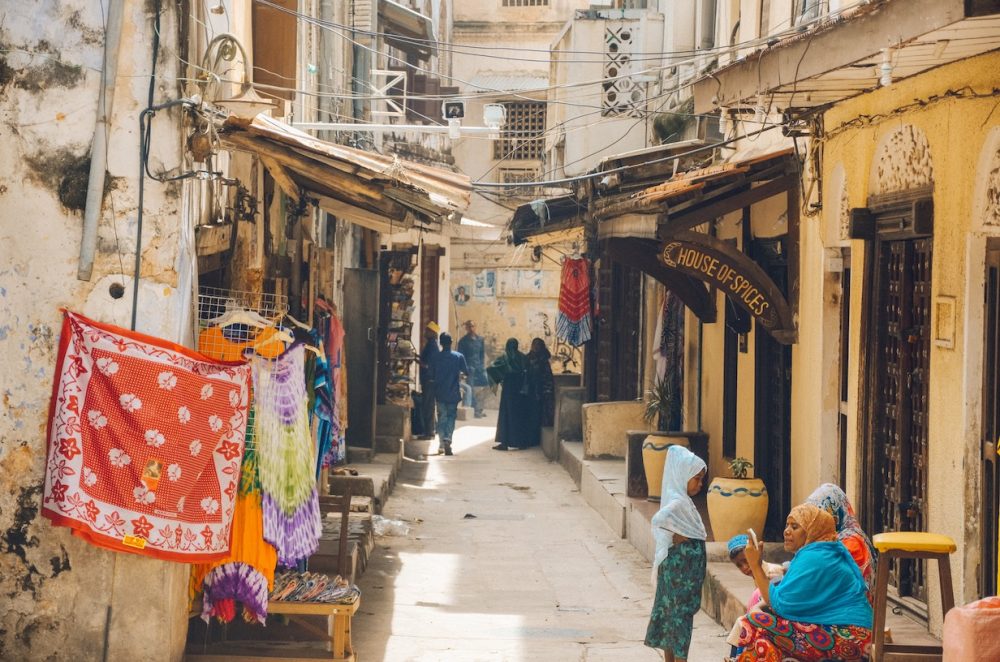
x=145 y=443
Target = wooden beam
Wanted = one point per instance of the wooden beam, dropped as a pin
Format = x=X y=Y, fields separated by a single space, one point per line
x=727 y=204
x=281 y=176
x=212 y=239
x=641 y=253
x=348 y=185
x=359 y=216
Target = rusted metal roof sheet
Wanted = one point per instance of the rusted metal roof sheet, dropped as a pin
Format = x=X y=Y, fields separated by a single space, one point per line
x=372 y=185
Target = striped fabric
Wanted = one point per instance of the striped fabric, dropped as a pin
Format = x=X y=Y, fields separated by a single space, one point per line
x=574 y=322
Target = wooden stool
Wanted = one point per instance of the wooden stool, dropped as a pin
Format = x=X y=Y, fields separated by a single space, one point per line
x=909 y=545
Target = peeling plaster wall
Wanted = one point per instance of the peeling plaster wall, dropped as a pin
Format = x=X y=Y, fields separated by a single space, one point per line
x=56 y=590
x=514 y=307
x=949 y=137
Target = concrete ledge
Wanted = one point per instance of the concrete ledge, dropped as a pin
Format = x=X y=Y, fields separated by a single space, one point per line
x=605 y=493
x=571 y=458
x=550 y=445
x=604 y=426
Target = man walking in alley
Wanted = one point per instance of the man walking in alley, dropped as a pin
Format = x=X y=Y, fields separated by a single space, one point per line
x=472 y=347
x=447 y=368
x=427 y=354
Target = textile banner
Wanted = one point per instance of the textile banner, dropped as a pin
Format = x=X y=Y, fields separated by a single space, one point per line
x=145 y=442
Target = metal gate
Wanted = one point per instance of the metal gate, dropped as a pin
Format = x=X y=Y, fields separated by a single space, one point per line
x=902 y=328
x=991 y=426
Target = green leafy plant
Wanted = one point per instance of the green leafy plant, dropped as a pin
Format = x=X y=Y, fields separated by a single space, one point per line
x=740 y=466
x=663 y=403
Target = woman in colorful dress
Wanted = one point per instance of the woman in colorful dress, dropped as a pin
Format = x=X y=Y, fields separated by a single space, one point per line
x=820 y=610
x=680 y=556
x=832 y=499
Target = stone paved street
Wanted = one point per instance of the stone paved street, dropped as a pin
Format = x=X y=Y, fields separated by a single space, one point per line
x=534 y=575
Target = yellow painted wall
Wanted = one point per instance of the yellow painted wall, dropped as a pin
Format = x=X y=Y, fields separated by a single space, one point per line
x=955 y=130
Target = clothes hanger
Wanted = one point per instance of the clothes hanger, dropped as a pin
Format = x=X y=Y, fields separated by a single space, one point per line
x=297 y=323
x=279 y=335
x=240 y=316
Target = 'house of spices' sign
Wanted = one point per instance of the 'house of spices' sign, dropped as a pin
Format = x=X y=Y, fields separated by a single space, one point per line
x=742 y=280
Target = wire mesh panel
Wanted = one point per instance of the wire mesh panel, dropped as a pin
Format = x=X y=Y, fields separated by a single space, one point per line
x=229 y=342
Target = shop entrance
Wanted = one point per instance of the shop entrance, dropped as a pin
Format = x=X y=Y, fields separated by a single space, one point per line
x=612 y=361
x=991 y=425
x=361 y=287
x=895 y=464
x=773 y=399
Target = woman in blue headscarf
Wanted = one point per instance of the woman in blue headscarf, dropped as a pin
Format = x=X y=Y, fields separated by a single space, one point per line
x=820 y=610
x=680 y=556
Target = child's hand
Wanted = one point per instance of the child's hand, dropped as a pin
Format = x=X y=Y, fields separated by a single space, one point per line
x=754 y=553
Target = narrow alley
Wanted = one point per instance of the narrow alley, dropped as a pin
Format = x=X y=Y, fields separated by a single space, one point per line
x=505 y=561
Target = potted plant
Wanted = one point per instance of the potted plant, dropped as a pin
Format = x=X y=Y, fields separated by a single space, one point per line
x=663 y=404
x=738 y=503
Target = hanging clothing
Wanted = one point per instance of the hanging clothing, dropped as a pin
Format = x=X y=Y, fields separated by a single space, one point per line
x=286 y=456
x=514 y=426
x=574 y=321
x=337 y=361
x=213 y=342
x=145 y=442
x=832 y=499
x=247 y=574
x=677 y=513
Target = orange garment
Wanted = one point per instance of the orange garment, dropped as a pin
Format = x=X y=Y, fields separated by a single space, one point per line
x=247 y=546
x=213 y=343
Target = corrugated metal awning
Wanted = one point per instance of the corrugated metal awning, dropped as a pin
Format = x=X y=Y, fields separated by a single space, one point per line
x=507 y=82
x=376 y=191
x=841 y=55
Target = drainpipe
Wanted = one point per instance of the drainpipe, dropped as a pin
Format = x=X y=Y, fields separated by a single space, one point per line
x=99 y=149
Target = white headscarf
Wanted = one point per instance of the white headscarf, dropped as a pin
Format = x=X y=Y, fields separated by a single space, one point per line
x=677 y=512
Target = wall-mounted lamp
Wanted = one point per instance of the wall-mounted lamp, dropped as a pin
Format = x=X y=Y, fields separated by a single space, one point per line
x=494 y=117
x=247 y=103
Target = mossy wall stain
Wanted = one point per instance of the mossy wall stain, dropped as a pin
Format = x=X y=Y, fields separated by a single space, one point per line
x=66 y=173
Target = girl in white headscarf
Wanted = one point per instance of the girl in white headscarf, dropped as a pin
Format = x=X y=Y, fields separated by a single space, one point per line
x=680 y=556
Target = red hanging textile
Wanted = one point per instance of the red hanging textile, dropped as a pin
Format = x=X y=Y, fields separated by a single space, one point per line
x=145 y=441
x=574 y=322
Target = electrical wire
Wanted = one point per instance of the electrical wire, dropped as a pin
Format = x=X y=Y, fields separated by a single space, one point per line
x=653 y=55
x=580 y=178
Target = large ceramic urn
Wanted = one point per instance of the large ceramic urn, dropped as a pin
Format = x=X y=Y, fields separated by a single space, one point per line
x=654 y=454
x=735 y=505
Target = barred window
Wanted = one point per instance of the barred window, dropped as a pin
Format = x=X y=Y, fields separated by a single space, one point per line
x=523 y=135
x=525 y=3
x=520 y=176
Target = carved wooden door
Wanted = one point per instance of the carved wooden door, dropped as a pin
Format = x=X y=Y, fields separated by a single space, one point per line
x=899 y=398
x=990 y=526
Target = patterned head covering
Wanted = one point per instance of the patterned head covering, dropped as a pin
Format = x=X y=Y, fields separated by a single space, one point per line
x=832 y=499
x=819 y=524
x=737 y=544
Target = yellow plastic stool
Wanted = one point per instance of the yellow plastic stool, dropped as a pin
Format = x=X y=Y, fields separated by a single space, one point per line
x=909 y=545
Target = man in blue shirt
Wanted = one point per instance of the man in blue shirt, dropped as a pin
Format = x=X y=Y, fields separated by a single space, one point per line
x=473 y=348
x=447 y=367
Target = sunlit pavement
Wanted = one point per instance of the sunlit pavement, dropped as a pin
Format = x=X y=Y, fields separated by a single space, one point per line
x=504 y=561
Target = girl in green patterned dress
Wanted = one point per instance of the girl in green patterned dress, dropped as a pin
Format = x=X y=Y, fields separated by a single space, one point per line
x=680 y=556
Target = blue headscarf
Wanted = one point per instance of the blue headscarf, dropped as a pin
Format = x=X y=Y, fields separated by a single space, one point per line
x=677 y=513
x=737 y=544
x=823 y=586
